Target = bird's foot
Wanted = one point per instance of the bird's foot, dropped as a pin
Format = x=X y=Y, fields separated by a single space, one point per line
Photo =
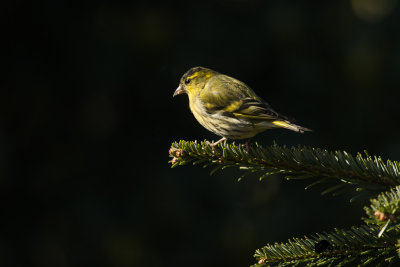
x=247 y=145
x=215 y=144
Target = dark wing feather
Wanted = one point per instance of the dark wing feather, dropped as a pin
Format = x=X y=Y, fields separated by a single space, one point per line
x=232 y=97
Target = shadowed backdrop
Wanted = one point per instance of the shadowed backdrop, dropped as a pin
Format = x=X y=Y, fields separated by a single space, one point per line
x=87 y=118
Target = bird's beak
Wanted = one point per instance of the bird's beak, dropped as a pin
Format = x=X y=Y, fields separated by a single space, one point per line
x=179 y=90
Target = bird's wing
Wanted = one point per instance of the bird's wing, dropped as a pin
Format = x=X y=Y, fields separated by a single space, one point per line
x=224 y=94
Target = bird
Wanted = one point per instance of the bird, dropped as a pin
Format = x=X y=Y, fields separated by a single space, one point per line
x=228 y=107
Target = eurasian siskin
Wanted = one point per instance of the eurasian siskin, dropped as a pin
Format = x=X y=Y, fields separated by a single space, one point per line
x=228 y=107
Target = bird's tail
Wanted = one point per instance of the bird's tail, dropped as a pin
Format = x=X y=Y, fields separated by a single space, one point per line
x=290 y=126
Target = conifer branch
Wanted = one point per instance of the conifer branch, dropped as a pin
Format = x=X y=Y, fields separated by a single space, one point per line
x=364 y=172
x=359 y=245
x=376 y=243
x=384 y=210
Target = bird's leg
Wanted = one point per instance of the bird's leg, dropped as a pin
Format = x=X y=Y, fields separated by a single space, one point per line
x=214 y=145
x=247 y=145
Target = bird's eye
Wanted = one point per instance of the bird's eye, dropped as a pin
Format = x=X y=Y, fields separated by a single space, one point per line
x=187 y=81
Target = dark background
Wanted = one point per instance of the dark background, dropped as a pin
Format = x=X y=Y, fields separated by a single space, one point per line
x=87 y=118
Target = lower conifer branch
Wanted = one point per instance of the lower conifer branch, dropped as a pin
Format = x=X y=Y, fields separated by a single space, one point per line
x=356 y=245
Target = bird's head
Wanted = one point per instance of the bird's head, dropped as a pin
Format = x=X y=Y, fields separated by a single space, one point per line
x=194 y=80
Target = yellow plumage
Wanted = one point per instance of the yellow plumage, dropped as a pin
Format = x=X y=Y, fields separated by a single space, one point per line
x=228 y=107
